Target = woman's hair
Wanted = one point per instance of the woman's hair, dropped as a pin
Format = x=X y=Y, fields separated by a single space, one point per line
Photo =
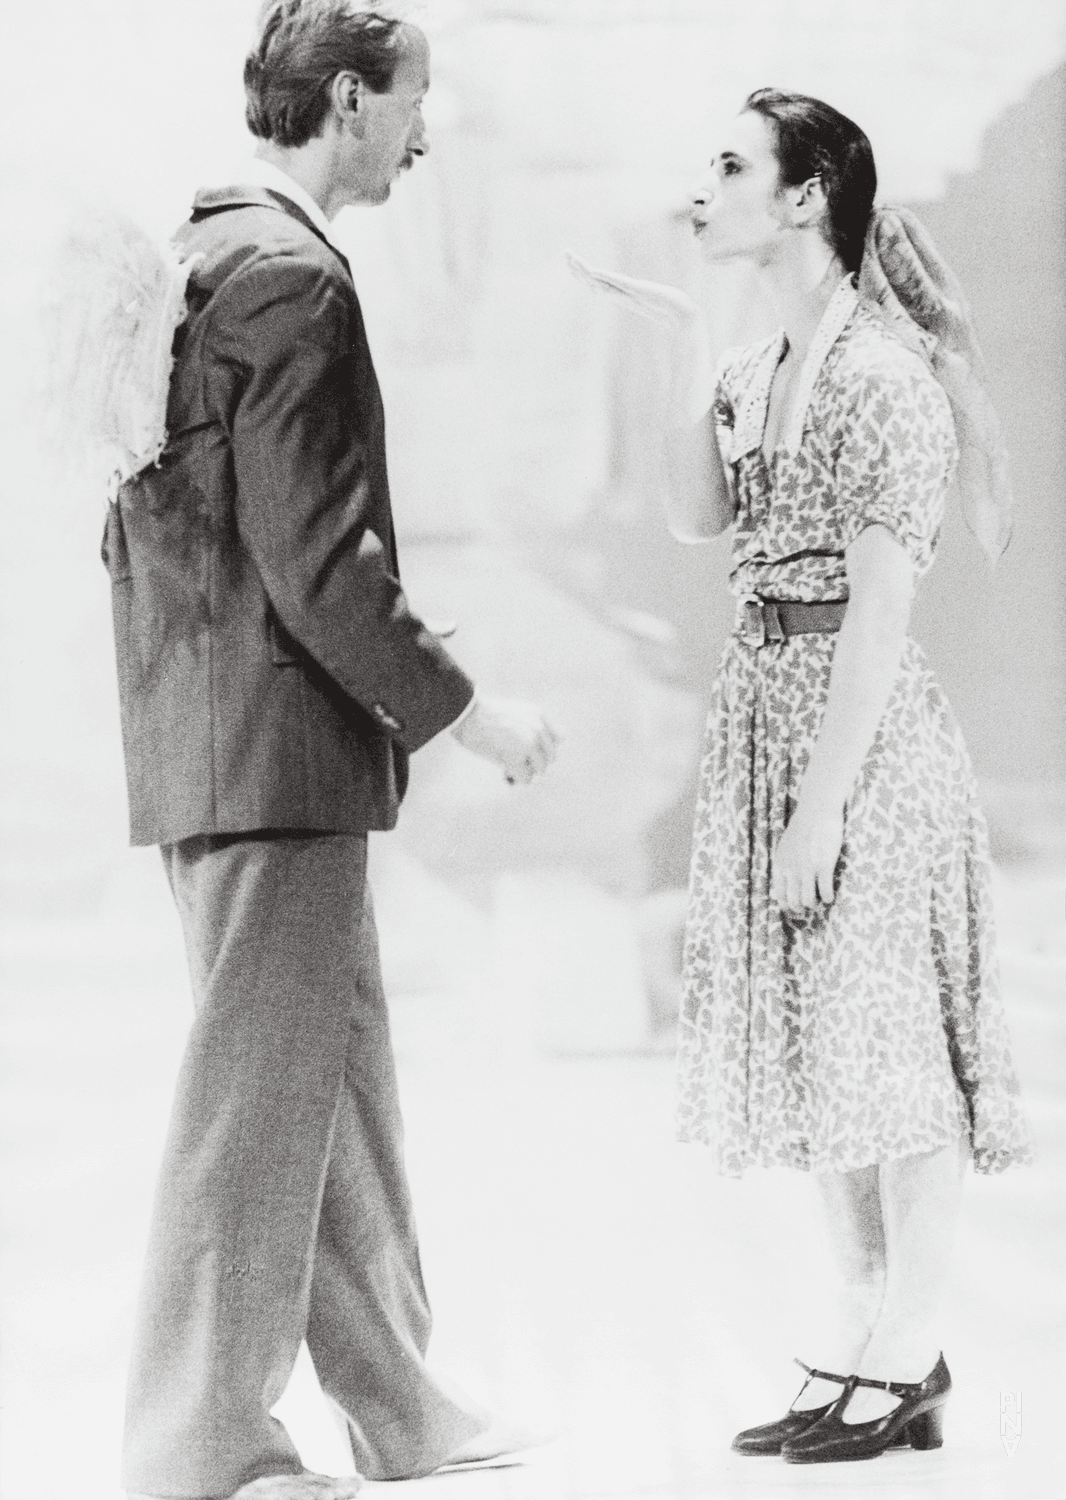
x=301 y=47
x=814 y=140
x=901 y=272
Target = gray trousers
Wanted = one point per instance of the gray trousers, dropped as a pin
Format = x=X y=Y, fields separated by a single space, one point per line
x=282 y=1210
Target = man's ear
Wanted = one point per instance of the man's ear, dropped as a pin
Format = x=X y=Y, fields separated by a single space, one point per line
x=347 y=95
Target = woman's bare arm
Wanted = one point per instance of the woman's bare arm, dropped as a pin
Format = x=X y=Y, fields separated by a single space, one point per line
x=699 y=501
x=865 y=666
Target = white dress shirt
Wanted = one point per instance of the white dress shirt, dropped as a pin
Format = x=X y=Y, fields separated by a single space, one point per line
x=265 y=174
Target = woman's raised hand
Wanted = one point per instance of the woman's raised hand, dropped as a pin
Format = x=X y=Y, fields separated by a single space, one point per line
x=691 y=383
x=665 y=305
x=699 y=499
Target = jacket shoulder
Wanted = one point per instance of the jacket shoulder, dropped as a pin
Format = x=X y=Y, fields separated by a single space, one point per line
x=252 y=238
x=252 y=259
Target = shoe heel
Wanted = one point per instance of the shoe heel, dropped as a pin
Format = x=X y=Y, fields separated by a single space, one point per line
x=927 y=1431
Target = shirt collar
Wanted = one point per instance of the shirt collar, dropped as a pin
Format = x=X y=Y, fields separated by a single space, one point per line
x=265 y=174
x=751 y=418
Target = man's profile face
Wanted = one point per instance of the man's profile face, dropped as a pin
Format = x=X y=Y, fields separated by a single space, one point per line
x=394 y=133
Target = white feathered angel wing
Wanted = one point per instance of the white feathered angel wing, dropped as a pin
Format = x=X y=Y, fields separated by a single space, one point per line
x=116 y=300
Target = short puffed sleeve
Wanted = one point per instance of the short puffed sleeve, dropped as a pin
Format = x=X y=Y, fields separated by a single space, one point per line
x=896 y=455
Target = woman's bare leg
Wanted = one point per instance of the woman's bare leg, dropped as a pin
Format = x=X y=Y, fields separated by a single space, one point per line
x=852 y=1206
x=920 y=1198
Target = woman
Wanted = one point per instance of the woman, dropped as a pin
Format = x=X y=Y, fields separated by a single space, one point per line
x=840 y=1009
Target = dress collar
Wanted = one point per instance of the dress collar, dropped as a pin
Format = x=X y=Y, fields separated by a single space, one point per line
x=751 y=417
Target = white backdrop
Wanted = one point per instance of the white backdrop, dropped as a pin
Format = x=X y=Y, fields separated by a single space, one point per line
x=554 y=123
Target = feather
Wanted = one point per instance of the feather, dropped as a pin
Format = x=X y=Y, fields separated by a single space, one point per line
x=116 y=299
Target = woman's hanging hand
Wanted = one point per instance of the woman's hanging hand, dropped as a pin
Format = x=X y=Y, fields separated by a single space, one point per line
x=806 y=857
x=866 y=662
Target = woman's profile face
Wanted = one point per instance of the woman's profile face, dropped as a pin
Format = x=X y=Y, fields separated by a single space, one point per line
x=737 y=209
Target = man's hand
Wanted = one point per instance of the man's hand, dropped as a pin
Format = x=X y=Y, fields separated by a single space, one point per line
x=805 y=859
x=515 y=735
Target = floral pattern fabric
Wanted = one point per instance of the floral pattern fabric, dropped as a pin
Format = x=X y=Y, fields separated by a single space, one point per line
x=871 y=1029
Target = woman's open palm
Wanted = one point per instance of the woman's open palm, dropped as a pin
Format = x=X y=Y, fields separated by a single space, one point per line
x=665 y=305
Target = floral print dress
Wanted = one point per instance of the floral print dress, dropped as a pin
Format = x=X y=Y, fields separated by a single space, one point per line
x=870 y=1029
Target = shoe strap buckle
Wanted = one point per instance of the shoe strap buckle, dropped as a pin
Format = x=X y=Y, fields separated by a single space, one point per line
x=904 y=1389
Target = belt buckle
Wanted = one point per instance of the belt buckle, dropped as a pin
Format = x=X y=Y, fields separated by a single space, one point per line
x=753 y=620
x=761 y=621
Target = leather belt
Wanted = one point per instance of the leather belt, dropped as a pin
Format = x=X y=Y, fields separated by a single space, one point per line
x=762 y=622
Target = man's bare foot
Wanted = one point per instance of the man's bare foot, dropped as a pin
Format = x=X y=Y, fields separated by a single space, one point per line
x=501 y=1444
x=300 y=1487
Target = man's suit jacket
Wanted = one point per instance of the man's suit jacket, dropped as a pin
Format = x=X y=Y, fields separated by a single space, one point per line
x=271 y=674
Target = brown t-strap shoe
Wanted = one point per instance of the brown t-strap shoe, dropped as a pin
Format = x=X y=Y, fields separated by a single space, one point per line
x=757 y=1441
x=917 y=1420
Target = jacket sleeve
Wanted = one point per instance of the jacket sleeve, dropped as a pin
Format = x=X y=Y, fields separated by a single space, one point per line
x=312 y=496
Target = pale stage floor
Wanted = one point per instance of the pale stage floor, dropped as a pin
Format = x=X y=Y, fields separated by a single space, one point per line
x=588 y=1276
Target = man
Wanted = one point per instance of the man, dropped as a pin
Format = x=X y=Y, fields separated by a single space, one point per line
x=273 y=682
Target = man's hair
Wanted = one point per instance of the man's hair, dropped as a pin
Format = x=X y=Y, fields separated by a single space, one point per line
x=301 y=47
